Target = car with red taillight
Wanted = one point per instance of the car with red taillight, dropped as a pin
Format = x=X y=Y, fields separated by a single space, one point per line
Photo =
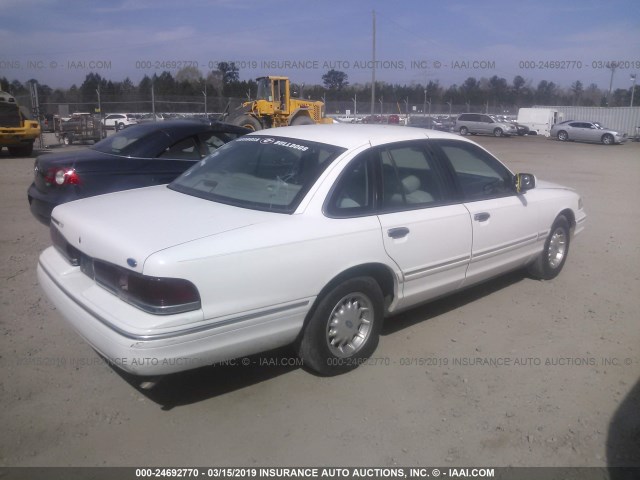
x=310 y=236
x=139 y=156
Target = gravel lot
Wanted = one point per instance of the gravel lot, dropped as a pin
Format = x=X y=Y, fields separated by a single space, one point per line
x=514 y=372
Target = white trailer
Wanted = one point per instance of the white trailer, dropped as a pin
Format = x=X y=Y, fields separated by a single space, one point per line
x=539 y=120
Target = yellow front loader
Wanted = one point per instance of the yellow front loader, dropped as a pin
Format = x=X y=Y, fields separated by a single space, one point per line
x=275 y=107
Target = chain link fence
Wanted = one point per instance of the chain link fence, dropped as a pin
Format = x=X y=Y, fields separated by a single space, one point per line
x=216 y=105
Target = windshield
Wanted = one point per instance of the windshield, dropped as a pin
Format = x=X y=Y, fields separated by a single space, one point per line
x=262 y=173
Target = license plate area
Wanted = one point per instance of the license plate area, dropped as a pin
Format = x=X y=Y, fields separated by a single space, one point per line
x=86 y=266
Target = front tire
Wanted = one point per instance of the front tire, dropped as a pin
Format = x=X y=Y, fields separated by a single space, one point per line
x=22 y=151
x=344 y=327
x=497 y=132
x=247 y=121
x=302 y=120
x=554 y=255
x=607 y=139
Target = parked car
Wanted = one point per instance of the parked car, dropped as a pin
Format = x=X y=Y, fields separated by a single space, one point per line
x=150 y=117
x=480 y=123
x=306 y=235
x=586 y=132
x=521 y=129
x=372 y=119
x=428 y=122
x=119 y=120
x=139 y=156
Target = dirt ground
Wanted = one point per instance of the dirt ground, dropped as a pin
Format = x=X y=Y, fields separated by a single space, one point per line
x=515 y=372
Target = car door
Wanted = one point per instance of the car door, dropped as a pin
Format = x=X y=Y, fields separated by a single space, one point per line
x=485 y=124
x=504 y=224
x=579 y=131
x=591 y=132
x=475 y=123
x=425 y=233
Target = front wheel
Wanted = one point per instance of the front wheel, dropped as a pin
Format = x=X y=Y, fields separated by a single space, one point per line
x=344 y=328
x=497 y=132
x=556 y=249
x=22 y=151
x=607 y=139
x=247 y=121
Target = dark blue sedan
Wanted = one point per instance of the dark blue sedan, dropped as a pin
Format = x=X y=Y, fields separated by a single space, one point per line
x=139 y=156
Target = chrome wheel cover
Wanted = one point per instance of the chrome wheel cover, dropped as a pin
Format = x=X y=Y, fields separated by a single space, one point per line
x=349 y=325
x=557 y=247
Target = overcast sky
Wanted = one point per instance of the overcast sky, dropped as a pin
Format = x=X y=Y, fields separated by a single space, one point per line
x=59 y=42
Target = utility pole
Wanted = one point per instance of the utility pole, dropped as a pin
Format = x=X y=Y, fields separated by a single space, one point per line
x=373 y=66
x=611 y=66
x=204 y=92
x=153 y=101
x=102 y=132
x=633 y=88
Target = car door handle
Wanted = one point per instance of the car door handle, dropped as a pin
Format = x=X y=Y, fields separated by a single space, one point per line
x=398 y=232
x=481 y=217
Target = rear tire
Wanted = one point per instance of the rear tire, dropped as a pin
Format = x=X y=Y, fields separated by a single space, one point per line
x=464 y=131
x=556 y=249
x=344 y=327
x=563 y=136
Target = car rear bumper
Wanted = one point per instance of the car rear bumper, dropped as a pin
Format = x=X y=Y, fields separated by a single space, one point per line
x=40 y=208
x=93 y=313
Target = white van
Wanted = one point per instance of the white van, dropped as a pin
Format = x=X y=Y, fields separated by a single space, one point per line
x=539 y=120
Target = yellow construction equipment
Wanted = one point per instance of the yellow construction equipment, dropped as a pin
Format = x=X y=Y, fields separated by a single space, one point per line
x=17 y=130
x=275 y=107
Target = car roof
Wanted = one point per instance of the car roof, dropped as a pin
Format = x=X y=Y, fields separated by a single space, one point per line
x=180 y=125
x=354 y=135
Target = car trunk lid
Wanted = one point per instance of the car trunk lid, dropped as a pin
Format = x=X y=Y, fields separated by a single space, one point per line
x=125 y=228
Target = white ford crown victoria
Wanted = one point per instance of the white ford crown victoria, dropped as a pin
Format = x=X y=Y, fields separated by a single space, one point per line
x=307 y=235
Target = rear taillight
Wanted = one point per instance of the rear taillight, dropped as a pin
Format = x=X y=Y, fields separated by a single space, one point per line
x=62 y=176
x=157 y=295
x=69 y=252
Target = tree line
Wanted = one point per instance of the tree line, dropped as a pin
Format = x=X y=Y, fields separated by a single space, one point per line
x=189 y=84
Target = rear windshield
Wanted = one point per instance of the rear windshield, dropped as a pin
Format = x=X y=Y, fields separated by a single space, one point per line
x=262 y=173
x=133 y=142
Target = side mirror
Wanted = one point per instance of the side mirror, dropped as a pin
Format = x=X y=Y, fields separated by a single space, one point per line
x=524 y=182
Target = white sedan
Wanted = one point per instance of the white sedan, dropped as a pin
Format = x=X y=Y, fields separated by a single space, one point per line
x=306 y=235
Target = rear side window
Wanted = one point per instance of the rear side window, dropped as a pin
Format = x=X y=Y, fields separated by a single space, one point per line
x=185 y=149
x=353 y=195
x=211 y=141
